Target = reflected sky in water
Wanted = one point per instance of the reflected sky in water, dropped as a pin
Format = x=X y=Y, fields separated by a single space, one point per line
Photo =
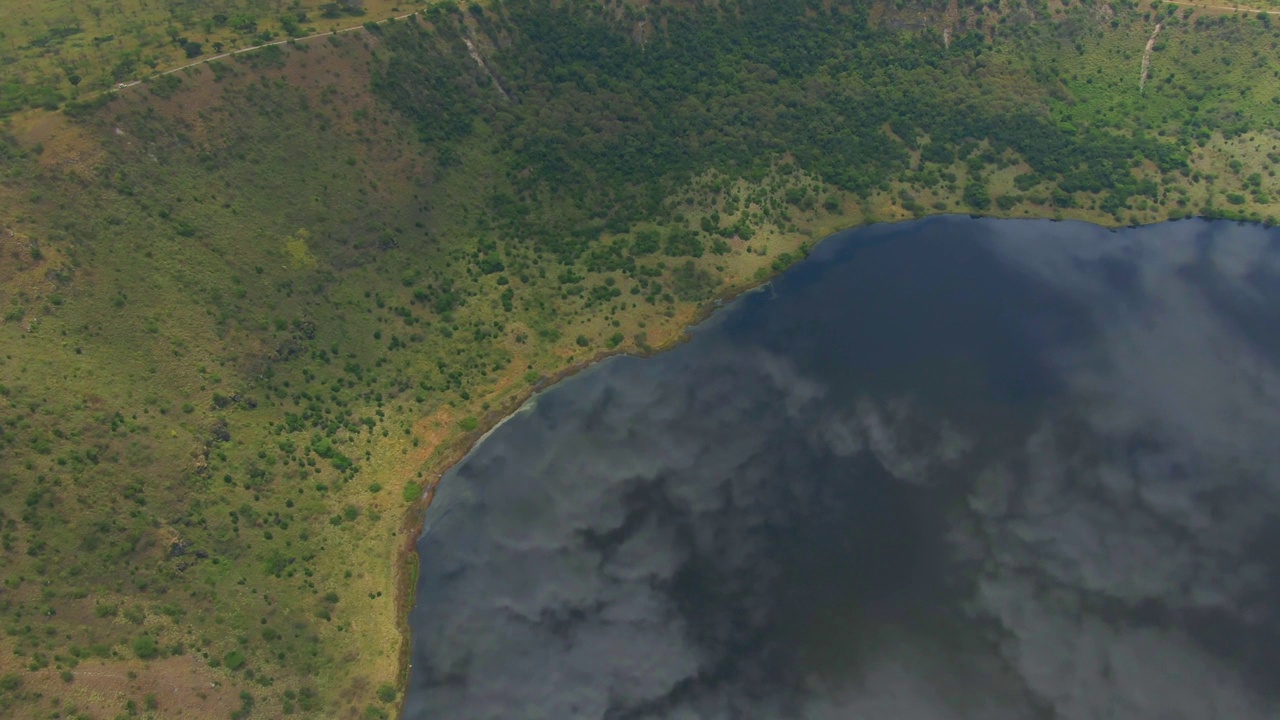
x=953 y=468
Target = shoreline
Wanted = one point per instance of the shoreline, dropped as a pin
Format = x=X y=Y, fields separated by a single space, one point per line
x=456 y=449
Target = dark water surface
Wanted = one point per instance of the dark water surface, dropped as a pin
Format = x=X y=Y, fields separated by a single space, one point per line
x=946 y=469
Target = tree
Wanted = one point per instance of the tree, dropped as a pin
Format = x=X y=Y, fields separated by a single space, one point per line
x=683 y=242
x=244 y=23
x=976 y=196
x=646 y=242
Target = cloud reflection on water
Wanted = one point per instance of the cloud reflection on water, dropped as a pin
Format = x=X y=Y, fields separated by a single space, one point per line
x=956 y=469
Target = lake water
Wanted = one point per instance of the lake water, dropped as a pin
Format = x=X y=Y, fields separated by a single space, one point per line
x=952 y=468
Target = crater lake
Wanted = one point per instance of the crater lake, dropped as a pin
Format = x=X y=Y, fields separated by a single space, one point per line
x=951 y=468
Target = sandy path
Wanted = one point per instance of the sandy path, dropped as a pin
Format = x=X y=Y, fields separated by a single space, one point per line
x=1146 y=56
x=211 y=58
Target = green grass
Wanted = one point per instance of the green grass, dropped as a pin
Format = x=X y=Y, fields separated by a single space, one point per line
x=1212 y=67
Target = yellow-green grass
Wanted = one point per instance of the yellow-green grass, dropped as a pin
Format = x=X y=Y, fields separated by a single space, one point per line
x=62 y=49
x=181 y=266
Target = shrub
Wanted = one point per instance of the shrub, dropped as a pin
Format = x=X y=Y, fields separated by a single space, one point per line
x=412 y=491
x=144 y=646
x=234 y=660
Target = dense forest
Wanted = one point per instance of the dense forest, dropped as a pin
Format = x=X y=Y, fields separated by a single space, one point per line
x=615 y=108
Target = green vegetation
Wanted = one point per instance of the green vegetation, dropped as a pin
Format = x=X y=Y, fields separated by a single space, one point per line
x=145 y=647
x=239 y=302
x=57 y=50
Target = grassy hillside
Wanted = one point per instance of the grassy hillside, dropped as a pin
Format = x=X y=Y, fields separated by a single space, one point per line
x=252 y=309
x=54 y=50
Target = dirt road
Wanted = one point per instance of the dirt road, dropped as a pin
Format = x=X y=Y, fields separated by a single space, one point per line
x=211 y=58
